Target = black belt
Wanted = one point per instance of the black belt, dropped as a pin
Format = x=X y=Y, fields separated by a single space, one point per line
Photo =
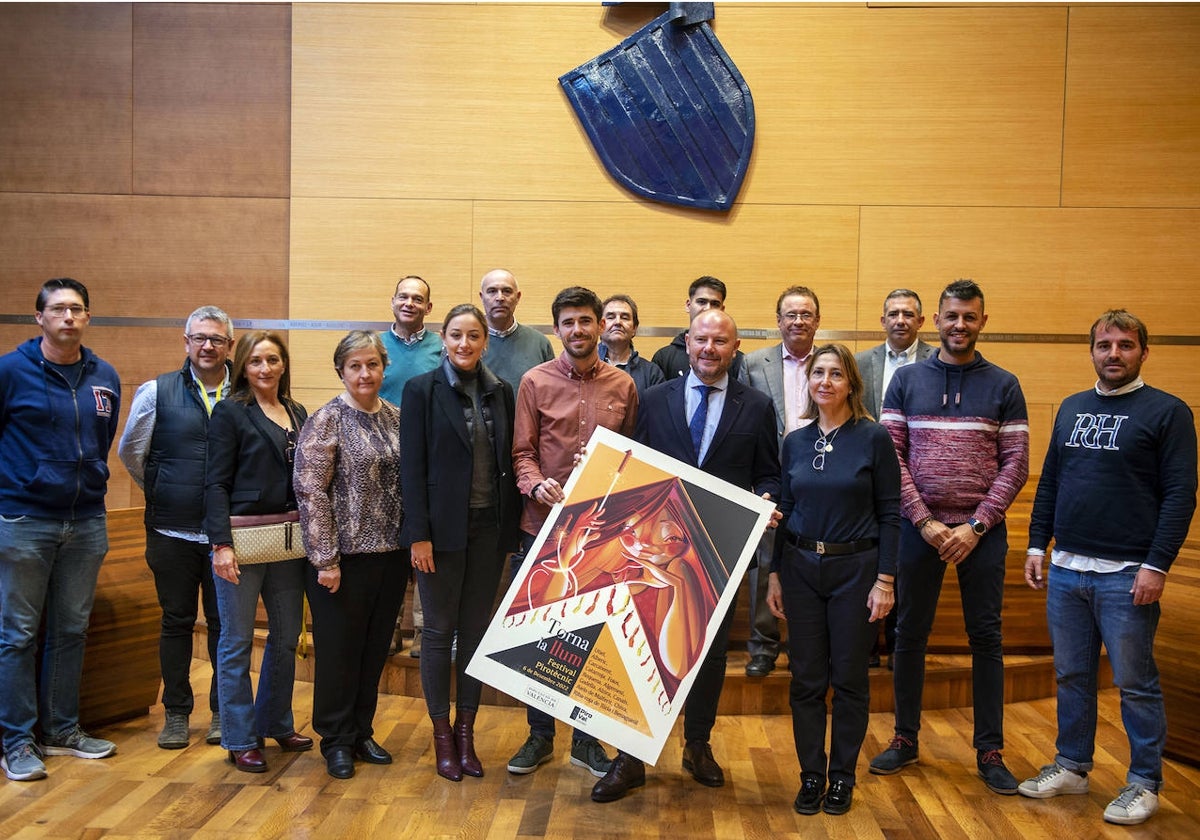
x=831 y=549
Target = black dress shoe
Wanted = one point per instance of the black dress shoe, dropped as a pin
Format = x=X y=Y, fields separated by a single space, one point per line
x=760 y=665
x=368 y=750
x=294 y=742
x=808 y=800
x=625 y=774
x=248 y=761
x=698 y=760
x=837 y=799
x=339 y=762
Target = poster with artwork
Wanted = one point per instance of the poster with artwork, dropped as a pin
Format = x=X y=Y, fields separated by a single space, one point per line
x=608 y=619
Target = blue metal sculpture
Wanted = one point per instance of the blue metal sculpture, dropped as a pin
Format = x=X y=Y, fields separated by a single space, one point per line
x=668 y=112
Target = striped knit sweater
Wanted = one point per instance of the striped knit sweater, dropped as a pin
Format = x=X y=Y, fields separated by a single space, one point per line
x=962 y=435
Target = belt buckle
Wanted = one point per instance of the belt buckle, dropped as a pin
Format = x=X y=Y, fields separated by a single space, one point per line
x=820 y=547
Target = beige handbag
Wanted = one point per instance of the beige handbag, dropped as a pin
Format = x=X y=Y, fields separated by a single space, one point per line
x=268 y=538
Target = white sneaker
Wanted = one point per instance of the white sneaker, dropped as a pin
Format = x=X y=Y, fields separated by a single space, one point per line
x=1054 y=779
x=1133 y=805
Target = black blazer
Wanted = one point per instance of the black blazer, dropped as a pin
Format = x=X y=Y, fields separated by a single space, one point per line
x=437 y=459
x=247 y=471
x=745 y=449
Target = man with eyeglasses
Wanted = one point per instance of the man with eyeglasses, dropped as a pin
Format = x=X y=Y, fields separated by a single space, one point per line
x=779 y=372
x=59 y=404
x=164 y=447
x=902 y=321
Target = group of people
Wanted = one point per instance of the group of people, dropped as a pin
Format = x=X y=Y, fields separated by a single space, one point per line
x=444 y=454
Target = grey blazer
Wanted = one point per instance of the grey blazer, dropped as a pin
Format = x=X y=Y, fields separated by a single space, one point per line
x=764 y=372
x=870 y=365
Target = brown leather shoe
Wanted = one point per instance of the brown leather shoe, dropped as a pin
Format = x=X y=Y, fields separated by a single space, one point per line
x=625 y=774
x=248 y=761
x=698 y=760
x=294 y=742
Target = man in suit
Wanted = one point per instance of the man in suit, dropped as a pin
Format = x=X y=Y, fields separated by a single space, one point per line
x=726 y=428
x=901 y=321
x=779 y=372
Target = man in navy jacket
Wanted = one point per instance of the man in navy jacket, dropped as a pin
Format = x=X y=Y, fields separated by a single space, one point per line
x=59 y=404
x=709 y=419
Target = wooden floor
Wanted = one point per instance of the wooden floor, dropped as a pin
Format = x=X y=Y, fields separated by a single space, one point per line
x=147 y=792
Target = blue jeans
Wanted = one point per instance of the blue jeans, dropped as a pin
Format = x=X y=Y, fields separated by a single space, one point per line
x=48 y=567
x=244 y=716
x=919 y=576
x=1083 y=610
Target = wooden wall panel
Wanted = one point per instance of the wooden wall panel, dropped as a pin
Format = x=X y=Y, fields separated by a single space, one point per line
x=1044 y=271
x=347 y=256
x=212 y=99
x=654 y=255
x=902 y=105
x=1132 y=136
x=147 y=256
x=855 y=105
x=65 y=89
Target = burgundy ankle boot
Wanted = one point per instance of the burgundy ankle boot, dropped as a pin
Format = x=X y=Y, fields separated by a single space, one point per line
x=464 y=739
x=446 y=752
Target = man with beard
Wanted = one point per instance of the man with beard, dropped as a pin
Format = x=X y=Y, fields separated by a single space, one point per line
x=559 y=404
x=1117 y=494
x=962 y=436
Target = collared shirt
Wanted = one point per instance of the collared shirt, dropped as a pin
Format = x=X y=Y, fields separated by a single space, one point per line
x=558 y=408
x=894 y=360
x=419 y=335
x=716 y=404
x=795 y=389
x=504 y=333
x=1127 y=388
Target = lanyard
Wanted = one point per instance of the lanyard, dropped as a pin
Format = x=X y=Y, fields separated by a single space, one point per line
x=208 y=404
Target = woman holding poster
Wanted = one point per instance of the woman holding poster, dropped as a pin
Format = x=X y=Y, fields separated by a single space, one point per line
x=461 y=511
x=834 y=571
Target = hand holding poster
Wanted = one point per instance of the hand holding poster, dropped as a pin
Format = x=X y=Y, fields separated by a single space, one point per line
x=617 y=602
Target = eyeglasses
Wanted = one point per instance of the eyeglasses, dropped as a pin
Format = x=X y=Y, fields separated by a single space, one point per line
x=802 y=317
x=60 y=309
x=289 y=449
x=217 y=341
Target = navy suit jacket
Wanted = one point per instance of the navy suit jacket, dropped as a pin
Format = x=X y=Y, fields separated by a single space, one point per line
x=745 y=448
x=246 y=472
x=437 y=460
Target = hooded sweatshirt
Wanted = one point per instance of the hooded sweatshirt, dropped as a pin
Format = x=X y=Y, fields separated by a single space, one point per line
x=55 y=435
x=962 y=435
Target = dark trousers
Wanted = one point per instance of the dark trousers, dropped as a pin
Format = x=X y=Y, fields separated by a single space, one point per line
x=352 y=629
x=764 y=627
x=829 y=643
x=458 y=598
x=918 y=585
x=182 y=576
x=700 y=711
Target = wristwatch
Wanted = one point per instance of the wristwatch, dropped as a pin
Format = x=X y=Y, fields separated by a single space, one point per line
x=978 y=527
